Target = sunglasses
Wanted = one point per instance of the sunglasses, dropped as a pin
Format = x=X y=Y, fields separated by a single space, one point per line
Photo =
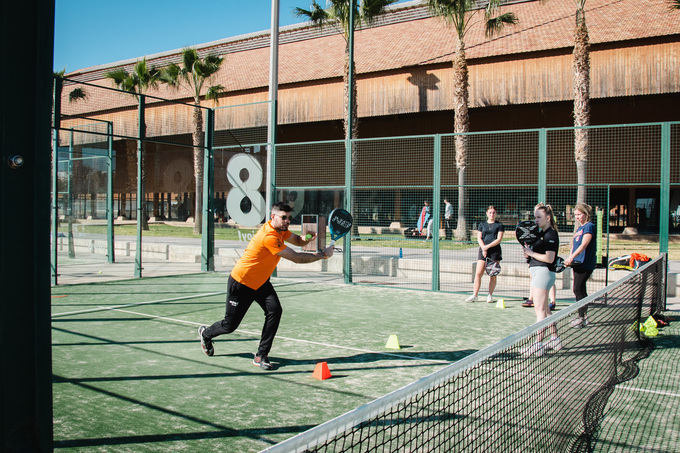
x=285 y=217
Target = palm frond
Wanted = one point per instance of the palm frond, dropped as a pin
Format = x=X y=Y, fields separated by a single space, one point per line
x=189 y=58
x=315 y=14
x=117 y=75
x=496 y=24
x=214 y=92
x=371 y=9
x=76 y=94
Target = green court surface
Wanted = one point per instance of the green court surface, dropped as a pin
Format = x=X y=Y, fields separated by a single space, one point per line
x=129 y=373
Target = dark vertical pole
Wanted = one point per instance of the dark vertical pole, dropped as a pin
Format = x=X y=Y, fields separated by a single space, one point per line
x=140 y=186
x=25 y=326
x=208 y=226
x=111 y=252
x=56 y=124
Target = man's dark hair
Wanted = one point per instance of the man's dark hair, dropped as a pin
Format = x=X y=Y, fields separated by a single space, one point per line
x=281 y=206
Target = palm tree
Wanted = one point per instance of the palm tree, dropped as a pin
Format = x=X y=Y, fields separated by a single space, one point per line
x=581 y=98
x=338 y=15
x=137 y=82
x=459 y=13
x=192 y=76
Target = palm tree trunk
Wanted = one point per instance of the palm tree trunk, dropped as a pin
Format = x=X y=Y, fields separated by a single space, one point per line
x=198 y=141
x=581 y=101
x=354 y=126
x=461 y=126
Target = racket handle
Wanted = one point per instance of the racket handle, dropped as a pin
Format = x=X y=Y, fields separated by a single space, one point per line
x=332 y=243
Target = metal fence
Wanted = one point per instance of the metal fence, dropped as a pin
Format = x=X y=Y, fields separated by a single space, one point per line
x=112 y=140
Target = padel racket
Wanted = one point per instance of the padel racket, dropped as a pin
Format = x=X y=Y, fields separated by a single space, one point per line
x=526 y=233
x=559 y=265
x=492 y=267
x=339 y=224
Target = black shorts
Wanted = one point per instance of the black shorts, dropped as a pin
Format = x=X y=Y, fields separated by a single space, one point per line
x=494 y=253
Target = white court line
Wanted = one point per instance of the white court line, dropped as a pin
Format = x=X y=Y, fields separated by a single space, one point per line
x=90 y=310
x=257 y=334
x=656 y=392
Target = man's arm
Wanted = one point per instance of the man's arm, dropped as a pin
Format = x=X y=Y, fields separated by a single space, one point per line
x=298 y=240
x=303 y=257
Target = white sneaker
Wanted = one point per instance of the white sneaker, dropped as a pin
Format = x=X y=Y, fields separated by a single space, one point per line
x=535 y=349
x=578 y=322
x=472 y=298
x=489 y=299
x=554 y=343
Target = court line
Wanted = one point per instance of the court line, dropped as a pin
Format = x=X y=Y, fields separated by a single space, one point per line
x=656 y=392
x=114 y=307
x=257 y=334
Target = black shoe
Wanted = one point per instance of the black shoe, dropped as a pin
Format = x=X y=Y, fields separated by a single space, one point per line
x=206 y=345
x=263 y=362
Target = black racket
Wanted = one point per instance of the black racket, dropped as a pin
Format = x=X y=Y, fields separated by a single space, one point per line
x=559 y=265
x=339 y=224
x=492 y=267
x=526 y=233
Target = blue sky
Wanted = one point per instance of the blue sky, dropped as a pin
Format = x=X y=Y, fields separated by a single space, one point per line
x=95 y=32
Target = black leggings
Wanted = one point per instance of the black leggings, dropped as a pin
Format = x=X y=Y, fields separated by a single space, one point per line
x=581 y=276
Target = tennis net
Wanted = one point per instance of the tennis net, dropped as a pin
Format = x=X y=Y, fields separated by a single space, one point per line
x=503 y=399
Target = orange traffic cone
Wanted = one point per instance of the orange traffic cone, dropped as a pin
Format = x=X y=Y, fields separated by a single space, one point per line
x=321 y=371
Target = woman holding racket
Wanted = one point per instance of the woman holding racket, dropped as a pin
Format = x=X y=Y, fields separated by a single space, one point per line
x=582 y=258
x=542 y=256
x=489 y=237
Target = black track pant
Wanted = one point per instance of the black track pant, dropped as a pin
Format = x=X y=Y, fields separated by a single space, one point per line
x=581 y=276
x=239 y=299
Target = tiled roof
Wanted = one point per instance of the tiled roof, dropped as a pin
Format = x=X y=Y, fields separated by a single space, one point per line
x=410 y=37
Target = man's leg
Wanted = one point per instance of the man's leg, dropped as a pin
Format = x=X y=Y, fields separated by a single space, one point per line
x=239 y=299
x=267 y=298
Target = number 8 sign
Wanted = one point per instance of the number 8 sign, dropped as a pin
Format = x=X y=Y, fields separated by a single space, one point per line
x=245 y=189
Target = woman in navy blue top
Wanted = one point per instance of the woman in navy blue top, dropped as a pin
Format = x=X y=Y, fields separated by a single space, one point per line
x=582 y=258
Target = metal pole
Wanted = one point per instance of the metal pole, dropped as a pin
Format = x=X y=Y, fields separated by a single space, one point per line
x=56 y=124
x=665 y=192
x=542 y=164
x=140 y=187
x=436 y=195
x=208 y=226
x=111 y=253
x=270 y=195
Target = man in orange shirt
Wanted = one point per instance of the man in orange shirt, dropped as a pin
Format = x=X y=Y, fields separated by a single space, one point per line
x=249 y=282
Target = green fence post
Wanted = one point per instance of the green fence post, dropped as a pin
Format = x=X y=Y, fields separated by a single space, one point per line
x=208 y=226
x=111 y=255
x=140 y=186
x=56 y=124
x=542 y=164
x=436 y=195
x=665 y=195
x=69 y=198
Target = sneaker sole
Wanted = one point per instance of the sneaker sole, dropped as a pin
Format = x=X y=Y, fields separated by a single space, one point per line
x=207 y=352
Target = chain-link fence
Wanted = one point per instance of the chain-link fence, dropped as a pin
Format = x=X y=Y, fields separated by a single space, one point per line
x=116 y=148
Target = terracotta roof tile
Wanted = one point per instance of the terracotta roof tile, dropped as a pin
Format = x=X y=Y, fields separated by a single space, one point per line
x=420 y=39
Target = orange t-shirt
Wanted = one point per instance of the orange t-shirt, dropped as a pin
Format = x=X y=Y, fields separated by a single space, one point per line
x=260 y=258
